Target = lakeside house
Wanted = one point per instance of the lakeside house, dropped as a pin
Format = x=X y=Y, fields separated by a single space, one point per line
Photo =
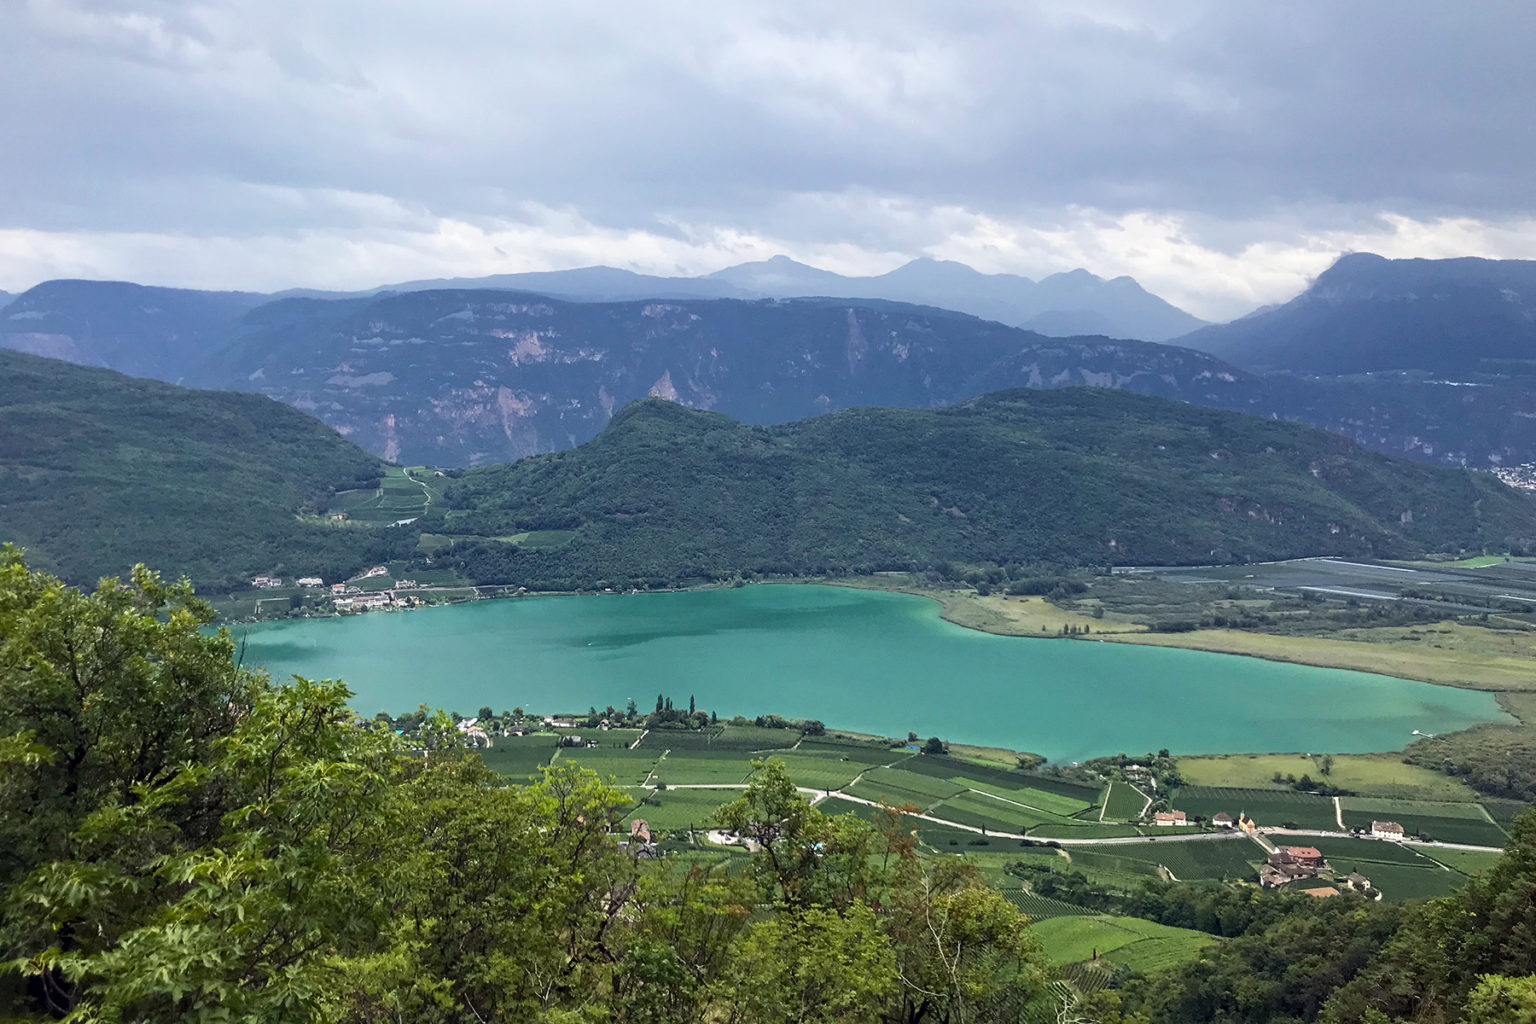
x=406 y=584
x=1386 y=830
x=377 y=570
x=311 y=581
x=266 y=582
x=1170 y=818
x=1221 y=819
x=337 y=517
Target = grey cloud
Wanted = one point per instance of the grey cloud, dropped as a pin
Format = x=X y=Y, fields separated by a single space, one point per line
x=210 y=117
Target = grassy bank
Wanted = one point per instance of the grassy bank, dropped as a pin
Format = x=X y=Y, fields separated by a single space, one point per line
x=1446 y=653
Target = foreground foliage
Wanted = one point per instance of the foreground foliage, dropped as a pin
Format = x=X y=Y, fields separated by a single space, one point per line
x=180 y=840
x=184 y=841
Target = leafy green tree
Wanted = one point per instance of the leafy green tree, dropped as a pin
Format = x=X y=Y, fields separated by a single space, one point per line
x=810 y=966
x=104 y=699
x=1501 y=1000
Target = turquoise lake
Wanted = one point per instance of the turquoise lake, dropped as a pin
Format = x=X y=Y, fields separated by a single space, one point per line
x=858 y=660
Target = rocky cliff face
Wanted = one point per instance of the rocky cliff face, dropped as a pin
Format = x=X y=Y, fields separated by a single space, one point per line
x=469 y=377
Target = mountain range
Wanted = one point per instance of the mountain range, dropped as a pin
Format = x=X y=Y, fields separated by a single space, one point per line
x=99 y=470
x=461 y=376
x=1061 y=305
x=1465 y=318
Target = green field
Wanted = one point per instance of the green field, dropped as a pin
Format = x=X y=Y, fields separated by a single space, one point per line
x=722 y=737
x=626 y=767
x=989 y=813
x=1372 y=774
x=1446 y=822
x=1039 y=792
x=1157 y=954
x=837 y=805
x=694 y=768
x=1504 y=811
x=1087 y=830
x=517 y=757
x=682 y=808
x=818 y=772
x=897 y=786
x=1468 y=862
x=1216 y=859
x=398 y=497
x=1270 y=807
x=1123 y=802
x=1072 y=939
x=1405 y=882
x=1343 y=854
x=1041 y=907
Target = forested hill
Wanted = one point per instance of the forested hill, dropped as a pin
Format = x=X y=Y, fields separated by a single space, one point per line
x=1076 y=475
x=99 y=471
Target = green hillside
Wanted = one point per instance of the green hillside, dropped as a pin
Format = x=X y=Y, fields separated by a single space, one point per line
x=99 y=471
x=1084 y=476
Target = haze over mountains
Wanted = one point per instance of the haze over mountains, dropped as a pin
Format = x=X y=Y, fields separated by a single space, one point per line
x=1061 y=305
x=1382 y=351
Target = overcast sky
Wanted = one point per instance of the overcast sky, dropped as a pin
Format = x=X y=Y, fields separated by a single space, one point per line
x=1221 y=153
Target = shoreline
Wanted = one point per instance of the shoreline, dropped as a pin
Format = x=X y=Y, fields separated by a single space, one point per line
x=1352 y=655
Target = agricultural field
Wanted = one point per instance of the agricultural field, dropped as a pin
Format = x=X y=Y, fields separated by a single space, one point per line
x=694 y=768
x=681 y=808
x=1160 y=953
x=1406 y=882
x=837 y=805
x=1468 y=862
x=626 y=767
x=1088 y=830
x=989 y=813
x=898 y=786
x=1400 y=872
x=722 y=737
x=1344 y=854
x=1504 y=811
x=1055 y=796
x=817 y=772
x=1269 y=807
x=1073 y=939
x=1123 y=802
x=518 y=757
x=1203 y=859
x=1041 y=907
x=398 y=497
x=1446 y=822
x=1369 y=774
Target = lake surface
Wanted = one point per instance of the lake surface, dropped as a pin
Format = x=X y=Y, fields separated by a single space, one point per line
x=859 y=660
